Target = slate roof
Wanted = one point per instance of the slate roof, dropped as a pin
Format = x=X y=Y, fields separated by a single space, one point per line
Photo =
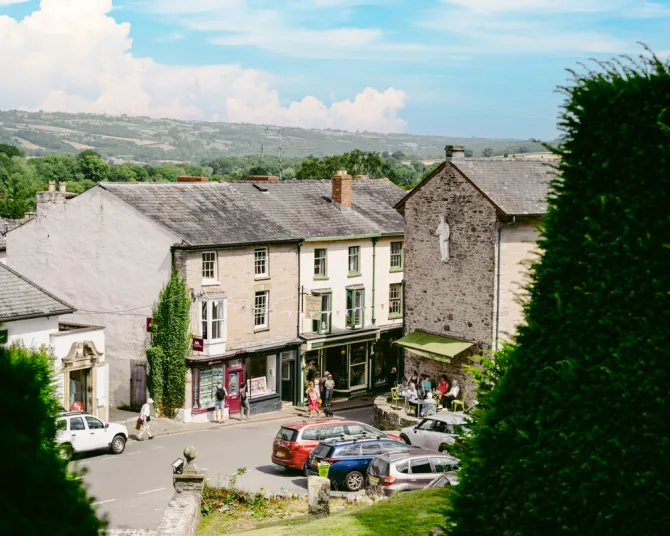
x=239 y=212
x=21 y=298
x=515 y=187
x=7 y=225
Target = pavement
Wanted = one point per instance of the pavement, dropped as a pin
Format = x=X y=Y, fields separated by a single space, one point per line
x=161 y=426
x=133 y=488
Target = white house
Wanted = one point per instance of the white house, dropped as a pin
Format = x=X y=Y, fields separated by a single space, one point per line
x=30 y=316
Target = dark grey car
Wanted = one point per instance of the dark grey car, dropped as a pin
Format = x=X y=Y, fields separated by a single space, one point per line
x=407 y=471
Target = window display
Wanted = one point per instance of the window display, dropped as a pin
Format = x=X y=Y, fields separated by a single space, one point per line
x=204 y=386
x=263 y=375
x=358 y=370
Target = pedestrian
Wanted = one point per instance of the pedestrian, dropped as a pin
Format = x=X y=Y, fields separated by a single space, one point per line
x=329 y=386
x=244 y=402
x=317 y=385
x=144 y=420
x=220 y=395
x=313 y=398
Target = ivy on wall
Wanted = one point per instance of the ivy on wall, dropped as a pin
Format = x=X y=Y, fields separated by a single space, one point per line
x=170 y=345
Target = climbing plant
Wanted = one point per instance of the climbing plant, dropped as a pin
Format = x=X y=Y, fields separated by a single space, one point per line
x=171 y=344
x=576 y=435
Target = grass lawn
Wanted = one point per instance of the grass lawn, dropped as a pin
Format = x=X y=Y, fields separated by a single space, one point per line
x=415 y=513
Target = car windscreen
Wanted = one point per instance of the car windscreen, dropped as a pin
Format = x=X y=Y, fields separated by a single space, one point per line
x=379 y=466
x=287 y=434
x=322 y=451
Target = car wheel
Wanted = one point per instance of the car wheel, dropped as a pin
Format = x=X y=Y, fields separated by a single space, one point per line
x=118 y=444
x=405 y=439
x=65 y=452
x=354 y=481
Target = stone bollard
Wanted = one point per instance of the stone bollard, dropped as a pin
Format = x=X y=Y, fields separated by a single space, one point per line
x=192 y=478
x=319 y=497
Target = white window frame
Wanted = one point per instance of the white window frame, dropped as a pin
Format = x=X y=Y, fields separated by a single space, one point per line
x=206 y=271
x=397 y=257
x=266 y=262
x=395 y=301
x=207 y=320
x=323 y=260
x=262 y=312
x=355 y=253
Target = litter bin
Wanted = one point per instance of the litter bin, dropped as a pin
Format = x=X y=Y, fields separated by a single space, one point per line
x=323 y=469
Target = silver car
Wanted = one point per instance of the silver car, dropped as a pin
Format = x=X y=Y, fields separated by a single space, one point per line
x=434 y=431
x=393 y=473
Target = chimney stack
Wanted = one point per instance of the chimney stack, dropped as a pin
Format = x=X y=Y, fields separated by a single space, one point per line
x=192 y=179
x=342 y=190
x=263 y=178
x=52 y=186
x=455 y=152
x=62 y=187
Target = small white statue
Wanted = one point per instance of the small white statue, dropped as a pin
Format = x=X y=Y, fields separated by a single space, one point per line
x=444 y=233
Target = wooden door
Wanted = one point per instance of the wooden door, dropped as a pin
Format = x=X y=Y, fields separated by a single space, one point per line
x=234 y=382
x=138 y=384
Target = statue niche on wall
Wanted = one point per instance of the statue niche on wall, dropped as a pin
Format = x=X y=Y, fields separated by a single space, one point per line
x=443 y=232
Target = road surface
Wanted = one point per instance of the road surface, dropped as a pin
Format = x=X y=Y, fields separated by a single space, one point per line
x=133 y=489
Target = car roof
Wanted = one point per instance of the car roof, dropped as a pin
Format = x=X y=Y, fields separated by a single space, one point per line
x=337 y=442
x=451 y=418
x=417 y=453
x=308 y=423
x=73 y=413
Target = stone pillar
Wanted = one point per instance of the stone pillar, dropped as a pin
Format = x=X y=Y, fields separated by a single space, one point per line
x=318 y=497
x=191 y=479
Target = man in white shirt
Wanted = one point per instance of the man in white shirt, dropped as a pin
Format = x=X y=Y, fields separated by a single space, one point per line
x=451 y=395
x=145 y=418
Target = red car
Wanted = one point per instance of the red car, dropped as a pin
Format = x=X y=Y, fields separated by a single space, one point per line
x=294 y=442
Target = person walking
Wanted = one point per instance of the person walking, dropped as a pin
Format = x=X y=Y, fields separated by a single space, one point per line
x=220 y=395
x=313 y=398
x=145 y=419
x=244 y=402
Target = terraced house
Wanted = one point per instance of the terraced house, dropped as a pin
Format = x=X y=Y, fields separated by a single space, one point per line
x=248 y=253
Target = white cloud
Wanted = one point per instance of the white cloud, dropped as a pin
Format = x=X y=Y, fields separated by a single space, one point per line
x=10 y=2
x=70 y=55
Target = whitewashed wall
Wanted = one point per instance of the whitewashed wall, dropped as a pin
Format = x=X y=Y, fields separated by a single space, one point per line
x=33 y=332
x=106 y=259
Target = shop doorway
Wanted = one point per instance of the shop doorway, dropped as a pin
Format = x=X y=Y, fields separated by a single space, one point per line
x=138 y=383
x=81 y=390
x=234 y=381
x=288 y=380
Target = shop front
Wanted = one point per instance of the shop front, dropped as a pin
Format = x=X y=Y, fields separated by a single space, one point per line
x=387 y=356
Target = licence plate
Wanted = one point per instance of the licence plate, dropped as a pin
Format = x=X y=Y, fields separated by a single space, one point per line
x=314 y=462
x=280 y=455
x=374 y=480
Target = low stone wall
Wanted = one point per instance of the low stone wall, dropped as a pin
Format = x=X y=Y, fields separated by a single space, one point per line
x=387 y=418
x=182 y=516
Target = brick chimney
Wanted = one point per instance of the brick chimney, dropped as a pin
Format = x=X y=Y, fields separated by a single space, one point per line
x=192 y=179
x=263 y=178
x=455 y=152
x=62 y=187
x=342 y=190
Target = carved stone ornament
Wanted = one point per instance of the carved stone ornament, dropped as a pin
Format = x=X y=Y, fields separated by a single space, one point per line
x=443 y=232
x=82 y=352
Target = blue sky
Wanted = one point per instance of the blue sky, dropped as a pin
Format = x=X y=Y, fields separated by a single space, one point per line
x=450 y=67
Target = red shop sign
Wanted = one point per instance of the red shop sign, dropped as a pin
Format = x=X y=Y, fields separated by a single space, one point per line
x=198 y=344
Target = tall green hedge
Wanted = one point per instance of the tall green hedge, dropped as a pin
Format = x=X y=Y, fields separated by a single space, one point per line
x=171 y=344
x=576 y=437
x=37 y=496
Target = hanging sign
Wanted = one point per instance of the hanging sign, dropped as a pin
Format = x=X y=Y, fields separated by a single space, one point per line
x=149 y=325
x=198 y=344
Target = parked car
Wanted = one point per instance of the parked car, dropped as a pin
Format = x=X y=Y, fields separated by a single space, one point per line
x=349 y=458
x=434 y=432
x=407 y=471
x=79 y=431
x=294 y=442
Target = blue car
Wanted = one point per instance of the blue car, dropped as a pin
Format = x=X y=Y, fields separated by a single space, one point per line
x=349 y=459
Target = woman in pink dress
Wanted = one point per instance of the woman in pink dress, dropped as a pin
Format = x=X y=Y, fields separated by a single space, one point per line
x=313 y=397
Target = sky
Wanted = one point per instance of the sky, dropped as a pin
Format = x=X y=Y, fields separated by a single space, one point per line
x=484 y=68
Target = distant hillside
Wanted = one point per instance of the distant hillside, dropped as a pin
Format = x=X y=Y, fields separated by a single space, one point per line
x=152 y=141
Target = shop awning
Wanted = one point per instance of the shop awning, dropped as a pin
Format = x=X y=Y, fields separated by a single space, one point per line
x=433 y=347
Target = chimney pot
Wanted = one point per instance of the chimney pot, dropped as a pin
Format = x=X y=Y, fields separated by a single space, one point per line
x=192 y=179
x=263 y=178
x=454 y=152
x=62 y=187
x=342 y=190
x=52 y=186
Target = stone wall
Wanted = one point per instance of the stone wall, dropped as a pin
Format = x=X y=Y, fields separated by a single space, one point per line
x=456 y=298
x=386 y=418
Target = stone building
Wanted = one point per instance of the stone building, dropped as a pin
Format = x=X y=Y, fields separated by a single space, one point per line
x=470 y=230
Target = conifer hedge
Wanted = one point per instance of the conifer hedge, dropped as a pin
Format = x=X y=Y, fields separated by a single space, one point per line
x=171 y=344
x=576 y=436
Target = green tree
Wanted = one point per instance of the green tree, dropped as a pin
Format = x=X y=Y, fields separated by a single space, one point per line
x=170 y=334
x=28 y=448
x=488 y=152
x=92 y=166
x=18 y=185
x=11 y=150
x=576 y=436
x=57 y=168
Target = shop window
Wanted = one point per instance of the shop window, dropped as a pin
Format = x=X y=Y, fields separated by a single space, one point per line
x=396 y=256
x=263 y=375
x=261 y=309
x=205 y=381
x=358 y=368
x=322 y=324
x=212 y=320
x=355 y=308
x=395 y=300
x=320 y=263
x=209 y=267
x=354 y=260
x=261 y=262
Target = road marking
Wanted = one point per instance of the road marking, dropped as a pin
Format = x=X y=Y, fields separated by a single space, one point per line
x=133 y=453
x=151 y=491
x=156 y=448
x=103 y=502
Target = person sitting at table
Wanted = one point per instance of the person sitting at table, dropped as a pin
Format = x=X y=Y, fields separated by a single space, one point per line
x=451 y=395
x=412 y=396
x=427 y=403
x=420 y=389
x=426 y=383
x=443 y=387
x=414 y=378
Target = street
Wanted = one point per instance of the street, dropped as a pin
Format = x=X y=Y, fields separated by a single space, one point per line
x=133 y=489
